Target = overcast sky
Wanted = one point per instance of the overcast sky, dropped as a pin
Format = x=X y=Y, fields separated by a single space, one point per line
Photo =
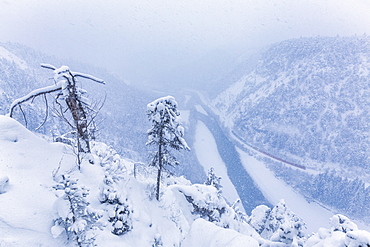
x=141 y=39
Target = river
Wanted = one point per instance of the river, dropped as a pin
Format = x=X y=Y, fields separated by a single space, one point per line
x=249 y=193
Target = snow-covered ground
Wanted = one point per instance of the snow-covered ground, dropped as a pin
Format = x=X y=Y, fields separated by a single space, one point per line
x=28 y=201
x=208 y=156
x=25 y=207
x=28 y=205
x=275 y=189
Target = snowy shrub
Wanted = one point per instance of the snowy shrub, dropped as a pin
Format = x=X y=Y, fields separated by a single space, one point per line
x=214 y=180
x=109 y=159
x=108 y=194
x=120 y=217
x=118 y=209
x=119 y=213
x=206 y=203
x=240 y=216
x=343 y=233
x=278 y=224
x=341 y=223
x=73 y=214
x=157 y=241
x=259 y=217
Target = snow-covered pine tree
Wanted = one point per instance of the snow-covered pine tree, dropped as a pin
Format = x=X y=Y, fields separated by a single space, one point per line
x=259 y=217
x=214 y=180
x=119 y=212
x=281 y=225
x=166 y=132
x=73 y=214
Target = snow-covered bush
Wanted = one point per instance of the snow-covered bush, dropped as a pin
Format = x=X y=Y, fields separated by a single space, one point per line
x=343 y=233
x=206 y=203
x=73 y=216
x=341 y=223
x=118 y=208
x=278 y=225
x=259 y=218
x=213 y=180
x=119 y=212
x=157 y=241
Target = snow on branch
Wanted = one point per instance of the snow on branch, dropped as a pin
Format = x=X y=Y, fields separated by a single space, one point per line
x=65 y=69
x=48 y=66
x=86 y=76
x=33 y=94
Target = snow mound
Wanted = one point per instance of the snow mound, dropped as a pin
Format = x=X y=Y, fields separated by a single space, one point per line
x=206 y=234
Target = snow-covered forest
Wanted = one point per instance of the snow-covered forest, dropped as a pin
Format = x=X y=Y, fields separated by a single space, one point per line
x=192 y=124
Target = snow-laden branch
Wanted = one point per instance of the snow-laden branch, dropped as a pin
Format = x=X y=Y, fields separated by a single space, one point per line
x=87 y=76
x=48 y=66
x=74 y=74
x=33 y=94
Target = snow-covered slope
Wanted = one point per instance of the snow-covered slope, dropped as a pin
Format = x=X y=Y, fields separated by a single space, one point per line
x=28 y=162
x=32 y=204
x=121 y=121
x=45 y=200
x=21 y=73
x=30 y=167
x=307 y=98
x=307 y=102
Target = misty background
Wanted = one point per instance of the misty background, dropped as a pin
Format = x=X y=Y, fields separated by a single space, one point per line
x=157 y=44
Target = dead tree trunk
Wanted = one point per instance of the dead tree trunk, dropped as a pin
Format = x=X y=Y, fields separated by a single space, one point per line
x=79 y=118
x=65 y=83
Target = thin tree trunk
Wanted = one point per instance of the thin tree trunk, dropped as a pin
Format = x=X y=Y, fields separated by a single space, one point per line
x=160 y=164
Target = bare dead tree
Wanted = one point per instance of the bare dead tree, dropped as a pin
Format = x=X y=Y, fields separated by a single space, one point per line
x=77 y=105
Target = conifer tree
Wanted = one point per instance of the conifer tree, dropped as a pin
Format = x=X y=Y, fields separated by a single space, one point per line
x=166 y=133
x=214 y=180
x=119 y=212
x=73 y=214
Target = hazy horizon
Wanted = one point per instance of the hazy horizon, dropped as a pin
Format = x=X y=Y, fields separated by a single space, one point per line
x=149 y=42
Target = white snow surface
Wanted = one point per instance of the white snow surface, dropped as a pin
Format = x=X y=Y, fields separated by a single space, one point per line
x=29 y=204
x=206 y=234
x=275 y=189
x=200 y=109
x=26 y=205
x=207 y=154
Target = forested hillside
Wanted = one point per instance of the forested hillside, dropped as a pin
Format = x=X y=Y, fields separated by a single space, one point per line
x=307 y=98
x=307 y=102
